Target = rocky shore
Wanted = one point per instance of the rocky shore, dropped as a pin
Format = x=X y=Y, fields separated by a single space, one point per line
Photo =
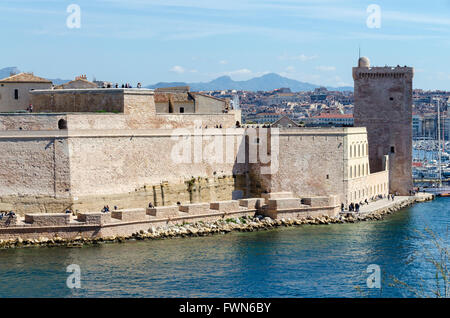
x=223 y=226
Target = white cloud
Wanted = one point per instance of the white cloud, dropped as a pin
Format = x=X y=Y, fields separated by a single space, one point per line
x=301 y=57
x=178 y=69
x=326 y=68
x=223 y=62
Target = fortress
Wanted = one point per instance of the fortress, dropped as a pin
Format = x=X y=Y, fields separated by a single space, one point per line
x=82 y=149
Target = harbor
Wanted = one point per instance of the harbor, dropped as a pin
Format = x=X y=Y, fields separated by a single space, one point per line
x=302 y=261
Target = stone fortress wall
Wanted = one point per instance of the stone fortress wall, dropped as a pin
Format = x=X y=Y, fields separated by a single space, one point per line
x=85 y=160
x=127 y=154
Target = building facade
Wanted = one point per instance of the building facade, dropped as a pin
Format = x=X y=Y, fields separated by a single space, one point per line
x=69 y=156
x=15 y=91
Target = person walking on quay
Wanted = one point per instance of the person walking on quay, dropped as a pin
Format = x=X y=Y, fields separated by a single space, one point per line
x=357 y=207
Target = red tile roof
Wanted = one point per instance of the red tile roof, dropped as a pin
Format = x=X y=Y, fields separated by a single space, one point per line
x=25 y=78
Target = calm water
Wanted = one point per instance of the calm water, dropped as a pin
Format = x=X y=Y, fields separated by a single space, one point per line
x=308 y=261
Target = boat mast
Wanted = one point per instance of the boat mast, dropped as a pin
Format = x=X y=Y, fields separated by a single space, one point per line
x=439 y=142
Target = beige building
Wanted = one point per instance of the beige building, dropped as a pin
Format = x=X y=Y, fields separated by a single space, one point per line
x=15 y=91
x=78 y=82
x=285 y=122
x=180 y=100
x=319 y=161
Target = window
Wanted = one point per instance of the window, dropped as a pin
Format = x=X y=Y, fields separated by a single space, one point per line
x=181 y=110
x=16 y=94
x=392 y=149
x=62 y=124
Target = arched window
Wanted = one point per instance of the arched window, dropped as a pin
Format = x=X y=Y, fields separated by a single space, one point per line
x=62 y=124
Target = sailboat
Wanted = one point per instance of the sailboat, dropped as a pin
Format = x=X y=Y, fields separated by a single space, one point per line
x=440 y=191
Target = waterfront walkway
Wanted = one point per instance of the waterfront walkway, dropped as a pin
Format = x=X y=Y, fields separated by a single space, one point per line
x=382 y=204
x=385 y=203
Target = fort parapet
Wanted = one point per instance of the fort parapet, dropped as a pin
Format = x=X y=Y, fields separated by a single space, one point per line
x=127 y=222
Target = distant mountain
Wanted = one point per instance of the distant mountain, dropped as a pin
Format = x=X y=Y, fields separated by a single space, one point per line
x=266 y=82
x=7 y=71
x=58 y=81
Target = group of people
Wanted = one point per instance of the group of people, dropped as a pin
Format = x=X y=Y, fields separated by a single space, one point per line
x=10 y=214
x=126 y=85
x=353 y=207
x=106 y=209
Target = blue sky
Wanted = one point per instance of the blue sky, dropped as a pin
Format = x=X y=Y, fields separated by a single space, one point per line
x=175 y=40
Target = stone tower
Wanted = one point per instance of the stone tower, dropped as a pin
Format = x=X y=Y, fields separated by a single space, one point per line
x=383 y=104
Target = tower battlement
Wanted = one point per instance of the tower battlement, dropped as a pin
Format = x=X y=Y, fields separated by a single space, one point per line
x=383 y=72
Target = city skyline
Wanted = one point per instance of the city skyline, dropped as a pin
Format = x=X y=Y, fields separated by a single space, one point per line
x=197 y=41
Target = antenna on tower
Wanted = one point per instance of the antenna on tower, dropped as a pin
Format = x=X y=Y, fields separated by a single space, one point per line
x=359 y=51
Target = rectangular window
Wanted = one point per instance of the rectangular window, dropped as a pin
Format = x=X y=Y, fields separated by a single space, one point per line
x=392 y=149
x=16 y=94
x=181 y=110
